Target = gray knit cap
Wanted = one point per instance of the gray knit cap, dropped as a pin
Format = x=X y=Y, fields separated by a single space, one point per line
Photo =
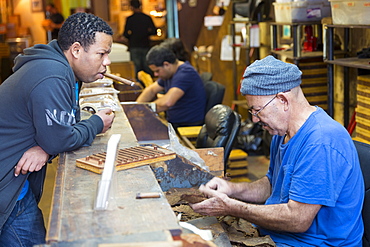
x=270 y=76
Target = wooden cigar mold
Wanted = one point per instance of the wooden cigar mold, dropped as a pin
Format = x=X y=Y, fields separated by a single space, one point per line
x=127 y=158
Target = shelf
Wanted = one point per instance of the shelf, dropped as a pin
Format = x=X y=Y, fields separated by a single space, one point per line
x=304 y=55
x=247 y=47
x=346 y=63
x=243 y=22
x=296 y=23
x=297 y=52
x=347 y=26
x=353 y=62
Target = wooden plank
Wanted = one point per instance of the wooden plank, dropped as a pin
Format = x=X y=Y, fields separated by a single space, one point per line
x=127 y=219
x=145 y=123
x=237 y=154
x=126 y=215
x=189 y=132
x=187 y=142
x=354 y=62
x=152 y=244
x=213 y=157
x=365 y=78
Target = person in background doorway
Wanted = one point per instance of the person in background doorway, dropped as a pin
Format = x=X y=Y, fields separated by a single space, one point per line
x=138 y=29
x=184 y=98
x=54 y=20
x=313 y=192
x=40 y=118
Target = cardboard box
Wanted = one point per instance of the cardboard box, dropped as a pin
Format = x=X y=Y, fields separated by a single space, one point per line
x=301 y=11
x=350 y=12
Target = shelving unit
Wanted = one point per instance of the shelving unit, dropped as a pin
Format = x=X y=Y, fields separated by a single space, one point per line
x=314 y=75
x=352 y=62
x=246 y=45
x=296 y=53
x=347 y=62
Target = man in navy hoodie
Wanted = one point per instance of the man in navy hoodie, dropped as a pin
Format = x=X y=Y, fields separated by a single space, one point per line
x=39 y=118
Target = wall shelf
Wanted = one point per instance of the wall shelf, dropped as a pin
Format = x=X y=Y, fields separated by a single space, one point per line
x=346 y=63
x=304 y=55
x=246 y=45
x=314 y=75
x=353 y=62
x=296 y=53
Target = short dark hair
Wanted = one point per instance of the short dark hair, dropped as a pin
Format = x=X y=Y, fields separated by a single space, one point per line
x=157 y=55
x=81 y=27
x=135 y=4
x=177 y=47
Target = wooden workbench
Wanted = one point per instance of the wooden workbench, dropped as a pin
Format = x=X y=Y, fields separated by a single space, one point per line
x=74 y=222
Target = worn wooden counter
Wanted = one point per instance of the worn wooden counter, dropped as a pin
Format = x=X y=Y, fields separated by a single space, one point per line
x=74 y=222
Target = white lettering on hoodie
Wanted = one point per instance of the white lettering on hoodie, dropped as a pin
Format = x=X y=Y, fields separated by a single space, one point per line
x=65 y=118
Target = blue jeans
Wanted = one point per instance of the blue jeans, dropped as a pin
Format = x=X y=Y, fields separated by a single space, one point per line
x=25 y=225
x=138 y=57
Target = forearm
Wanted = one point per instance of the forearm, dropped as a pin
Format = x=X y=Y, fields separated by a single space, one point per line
x=277 y=217
x=166 y=101
x=255 y=192
x=146 y=96
x=161 y=105
x=292 y=216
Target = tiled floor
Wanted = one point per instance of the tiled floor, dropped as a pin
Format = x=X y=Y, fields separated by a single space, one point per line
x=243 y=171
x=257 y=167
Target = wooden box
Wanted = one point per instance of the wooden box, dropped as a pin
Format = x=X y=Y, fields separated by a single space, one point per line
x=127 y=92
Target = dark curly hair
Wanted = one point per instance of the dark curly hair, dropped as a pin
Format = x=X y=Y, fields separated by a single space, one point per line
x=158 y=54
x=81 y=27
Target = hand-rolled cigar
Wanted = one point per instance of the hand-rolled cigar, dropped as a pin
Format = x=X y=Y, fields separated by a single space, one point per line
x=120 y=79
x=144 y=195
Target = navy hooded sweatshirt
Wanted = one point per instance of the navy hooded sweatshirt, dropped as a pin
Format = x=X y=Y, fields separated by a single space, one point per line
x=38 y=107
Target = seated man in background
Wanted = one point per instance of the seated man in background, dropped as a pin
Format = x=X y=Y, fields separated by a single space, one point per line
x=185 y=99
x=313 y=192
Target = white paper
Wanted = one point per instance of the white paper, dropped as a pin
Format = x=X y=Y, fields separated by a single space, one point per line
x=254 y=36
x=227 y=49
x=213 y=21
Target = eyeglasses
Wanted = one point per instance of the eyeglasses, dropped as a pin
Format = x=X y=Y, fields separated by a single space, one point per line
x=263 y=107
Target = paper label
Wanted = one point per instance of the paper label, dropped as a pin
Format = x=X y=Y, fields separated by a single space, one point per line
x=314 y=13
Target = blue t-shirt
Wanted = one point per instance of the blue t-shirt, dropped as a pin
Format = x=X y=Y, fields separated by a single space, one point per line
x=190 y=108
x=319 y=165
x=24 y=190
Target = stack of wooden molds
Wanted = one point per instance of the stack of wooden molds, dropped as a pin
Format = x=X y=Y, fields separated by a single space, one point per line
x=363 y=109
x=314 y=81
